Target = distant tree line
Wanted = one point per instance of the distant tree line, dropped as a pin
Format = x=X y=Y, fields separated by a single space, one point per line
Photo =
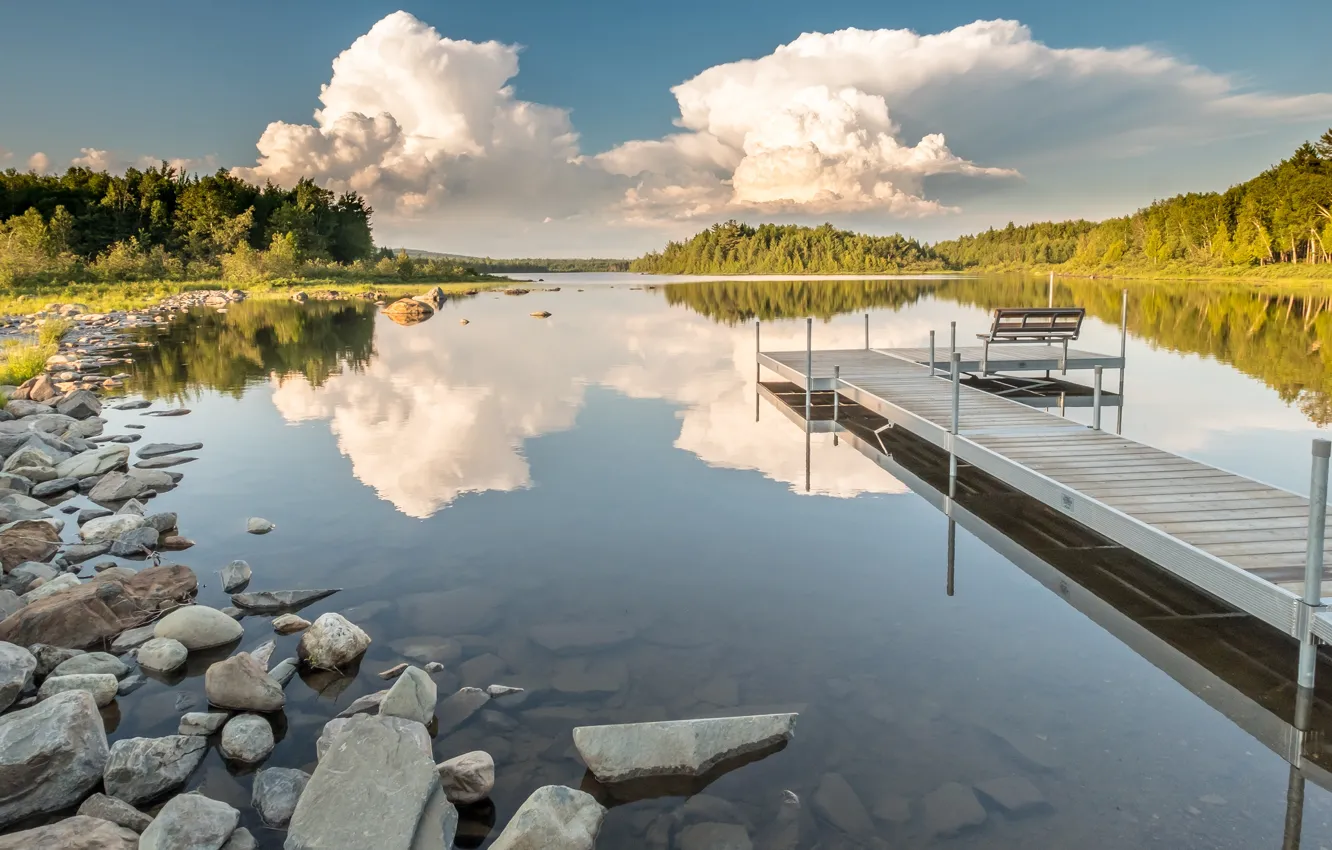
x=529 y=265
x=1280 y=219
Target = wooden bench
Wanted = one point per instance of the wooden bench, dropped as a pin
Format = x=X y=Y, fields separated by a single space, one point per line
x=1033 y=324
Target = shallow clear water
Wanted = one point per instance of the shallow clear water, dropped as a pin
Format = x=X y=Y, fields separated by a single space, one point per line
x=465 y=483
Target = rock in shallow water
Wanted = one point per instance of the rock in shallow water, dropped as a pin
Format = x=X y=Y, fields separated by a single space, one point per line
x=101 y=686
x=950 y=809
x=676 y=748
x=373 y=788
x=202 y=722
x=51 y=755
x=153 y=450
x=92 y=662
x=77 y=833
x=17 y=667
x=553 y=818
x=242 y=684
x=236 y=575
x=288 y=624
x=247 y=738
x=837 y=802
x=199 y=627
x=273 y=601
x=162 y=655
x=468 y=778
x=275 y=794
x=332 y=642
x=258 y=525
x=117 y=811
x=455 y=710
x=141 y=769
x=190 y=822
x=412 y=696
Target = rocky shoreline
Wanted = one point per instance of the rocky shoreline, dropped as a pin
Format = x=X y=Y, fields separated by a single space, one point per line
x=76 y=633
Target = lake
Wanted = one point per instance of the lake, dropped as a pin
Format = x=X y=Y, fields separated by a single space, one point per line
x=465 y=484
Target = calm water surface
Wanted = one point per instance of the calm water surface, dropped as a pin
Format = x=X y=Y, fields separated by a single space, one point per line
x=466 y=483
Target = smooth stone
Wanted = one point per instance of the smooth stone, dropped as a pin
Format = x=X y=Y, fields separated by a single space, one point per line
x=494 y=691
x=428 y=648
x=32 y=570
x=142 y=769
x=235 y=576
x=161 y=522
x=285 y=670
x=783 y=831
x=14 y=483
x=332 y=642
x=134 y=506
x=117 y=487
x=51 y=756
x=1015 y=795
x=109 y=527
x=373 y=788
x=893 y=809
x=50 y=657
x=91 y=663
x=138 y=404
x=54 y=487
x=412 y=696
x=714 y=836
x=51 y=587
x=152 y=450
x=837 y=802
x=247 y=738
x=153 y=479
x=676 y=748
x=579 y=637
x=17 y=667
x=467 y=778
x=242 y=684
x=98 y=461
x=289 y=624
x=258 y=525
x=133 y=638
x=102 y=686
x=241 y=839
x=162 y=655
x=79 y=552
x=77 y=833
x=88 y=514
x=455 y=710
x=553 y=818
x=273 y=601
x=199 y=627
x=202 y=722
x=117 y=811
x=275 y=793
x=190 y=822
x=950 y=809
x=175 y=543
x=162 y=462
x=335 y=727
x=139 y=543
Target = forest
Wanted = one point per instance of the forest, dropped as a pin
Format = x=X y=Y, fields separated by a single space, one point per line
x=527 y=265
x=161 y=223
x=1276 y=224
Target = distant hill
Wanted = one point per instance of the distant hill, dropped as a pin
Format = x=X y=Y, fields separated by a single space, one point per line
x=491 y=265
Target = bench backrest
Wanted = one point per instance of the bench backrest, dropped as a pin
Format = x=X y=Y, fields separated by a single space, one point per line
x=1036 y=323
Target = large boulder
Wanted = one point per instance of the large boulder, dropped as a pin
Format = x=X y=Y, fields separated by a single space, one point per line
x=334 y=728
x=199 y=627
x=553 y=818
x=93 y=614
x=409 y=311
x=191 y=822
x=51 y=756
x=374 y=788
x=412 y=696
x=77 y=833
x=27 y=540
x=684 y=748
x=242 y=684
x=332 y=642
x=275 y=794
x=16 y=669
x=142 y=769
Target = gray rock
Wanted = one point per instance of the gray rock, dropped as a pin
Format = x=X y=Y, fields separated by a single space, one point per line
x=30 y=571
x=199 y=627
x=90 y=663
x=494 y=691
x=137 y=404
x=428 y=648
x=80 y=552
x=141 y=769
x=133 y=638
x=14 y=483
x=163 y=462
x=162 y=655
x=80 y=404
x=75 y=833
x=368 y=704
x=153 y=450
x=273 y=601
x=51 y=587
x=202 y=723
x=258 y=525
x=553 y=818
x=263 y=652
x=190 y=822
x=54 y=487
x=50 y=657
x=117 y=811
x=837 y=802
x=275 y=794
x=578 y=638
x=17 y=667
x=154 y=479
x=676 y=748
x=288 y=624
x=284 y=671
x=373 y=788
x=332 y=642
x=135 y=544
x=98 y=461
x=1015 y=795
x=101 y=686
x=92 y=513
x=468 y=778
x=335 y=727
x=713 y=836
x=412 y=696
x=893 y=808
x=108 y=528
x=783 y=831
x=161 y=522
x=483 y=669
x=134 y=506
x=247 y=738
x=242 y=684
x=29 y=457
x=455 y=710
x=51 y=756
x=9 y=603
x=235 y=576
x=241 y=839
x=117 y=487
x=950 y=809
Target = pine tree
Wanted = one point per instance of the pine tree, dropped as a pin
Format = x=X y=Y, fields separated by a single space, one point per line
x=1324 y=146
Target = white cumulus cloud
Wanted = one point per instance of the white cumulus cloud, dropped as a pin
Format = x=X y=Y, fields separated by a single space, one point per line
x=103 y=160
x=39 y=162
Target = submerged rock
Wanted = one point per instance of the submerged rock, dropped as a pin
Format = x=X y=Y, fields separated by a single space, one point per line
x=837 y=802
x=77 y=833
x=553 y=818
x=272 y=601
x=1015 y=795
x=51 y=756
x=457 y=709
x=142 y=769
x=677 y=747
x=951 y=808
x=202 y=722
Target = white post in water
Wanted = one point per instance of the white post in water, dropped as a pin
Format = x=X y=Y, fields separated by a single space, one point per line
x=867 y=331
x=1051 y=290
x=809 y=369
x=758 y=370
x=837 y=384
x=956 y=360
x=932 y=369
x=1123 y=359
x=1096 y=400
x=1313 y=561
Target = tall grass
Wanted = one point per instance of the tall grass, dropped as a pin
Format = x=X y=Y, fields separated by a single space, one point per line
x=20 y=361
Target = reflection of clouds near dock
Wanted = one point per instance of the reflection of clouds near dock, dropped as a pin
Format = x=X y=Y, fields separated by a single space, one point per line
x=436 y=415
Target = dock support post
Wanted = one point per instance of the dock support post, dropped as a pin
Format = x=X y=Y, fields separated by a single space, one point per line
x=837 y=384
x=867 y=331
x=809 y=389
x=1313 y=561
x=1051 y=290
x=952 y=339
x=932 y=369
x=1096 y=400
x=952 y=553
x=758 y=370
x=1123 y=359
x=956 y=360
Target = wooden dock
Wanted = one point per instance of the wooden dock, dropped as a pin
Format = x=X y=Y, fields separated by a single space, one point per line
x=1240 y=540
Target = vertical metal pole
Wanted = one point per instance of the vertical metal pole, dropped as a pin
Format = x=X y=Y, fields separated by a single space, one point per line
x=932 y=369
x=1051 y=290
x=1294 y=826
x=867 y=331
x=1096 y=400
x=1313 y=561
x=952 y=450
x=809 y=389
x=952 y=338
x=952 y=552
x=758 y=370
x=837 y=384
x=1123 y=359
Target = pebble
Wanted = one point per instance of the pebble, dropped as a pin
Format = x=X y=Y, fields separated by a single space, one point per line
x=258 y=525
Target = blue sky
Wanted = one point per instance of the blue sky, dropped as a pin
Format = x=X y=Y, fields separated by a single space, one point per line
x=202 y=82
